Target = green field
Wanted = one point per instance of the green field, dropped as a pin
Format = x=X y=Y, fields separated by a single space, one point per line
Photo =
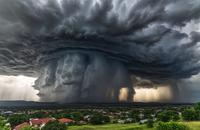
x=192 y=125
x=109 y=127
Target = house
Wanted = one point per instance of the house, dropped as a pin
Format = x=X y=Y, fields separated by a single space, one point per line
x=81 y=122
x=7 y=113
x=20 y=126
x=87 y=118
x=121 y=121
x=66 y=121
x=129 y=120
x=39 y=123
x=143 y=121
x=141 y=115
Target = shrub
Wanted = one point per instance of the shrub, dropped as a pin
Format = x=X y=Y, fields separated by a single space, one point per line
x=2 y=121
x=171 y=126
x=3 y=125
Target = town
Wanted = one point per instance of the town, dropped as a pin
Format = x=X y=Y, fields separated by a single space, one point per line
x=123 y=118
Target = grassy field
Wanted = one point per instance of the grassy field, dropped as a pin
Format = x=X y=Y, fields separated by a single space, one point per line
x=110 y=127
x=195 y=125
x=192 y=125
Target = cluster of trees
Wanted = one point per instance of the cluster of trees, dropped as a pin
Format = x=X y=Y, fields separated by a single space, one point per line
x=17 y=119
x=98 y=119
x=168 y=115
x=192 y=114
x=187 y=114
x=167 y=118
x=54 y=125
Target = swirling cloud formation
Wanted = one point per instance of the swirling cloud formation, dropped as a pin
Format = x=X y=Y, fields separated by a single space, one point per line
x=88 y=49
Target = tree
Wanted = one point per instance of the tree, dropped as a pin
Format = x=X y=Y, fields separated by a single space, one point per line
x=163 y=116
x=54 y=125
x=174 y=115
x=190 y=115
x=17 y=119
x=39 y=114
x=150 y=123
x=148 y=113
x=97 y=119
x=135 y=115
x=168 y=115
x=106 y=119
x=77 y=116
x=197 y=107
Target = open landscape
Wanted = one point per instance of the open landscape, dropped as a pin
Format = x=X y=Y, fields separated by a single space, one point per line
x=99 y=64
x=193 y=125
x=104 y=116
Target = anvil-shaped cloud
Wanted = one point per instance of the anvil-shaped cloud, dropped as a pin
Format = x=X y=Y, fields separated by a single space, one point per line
x=85 y=50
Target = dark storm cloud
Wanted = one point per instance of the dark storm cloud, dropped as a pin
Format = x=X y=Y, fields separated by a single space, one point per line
x=138 y=33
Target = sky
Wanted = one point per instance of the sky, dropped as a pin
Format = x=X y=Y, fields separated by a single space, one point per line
x=17 y=88
x=20 y=88
x=98 y=50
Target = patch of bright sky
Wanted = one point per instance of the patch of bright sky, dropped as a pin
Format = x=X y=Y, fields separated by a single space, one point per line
x=17 y=88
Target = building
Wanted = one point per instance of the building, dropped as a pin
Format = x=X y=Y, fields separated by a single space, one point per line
x=7 y=113
x=66 y=121
x=20 y=126
x=39 y=123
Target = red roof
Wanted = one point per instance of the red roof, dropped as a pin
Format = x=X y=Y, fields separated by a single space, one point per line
x=65 y=120
x=20 y=126
x=40 y=121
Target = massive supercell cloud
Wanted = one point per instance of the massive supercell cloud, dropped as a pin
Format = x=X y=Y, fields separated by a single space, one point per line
x=87 y=50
